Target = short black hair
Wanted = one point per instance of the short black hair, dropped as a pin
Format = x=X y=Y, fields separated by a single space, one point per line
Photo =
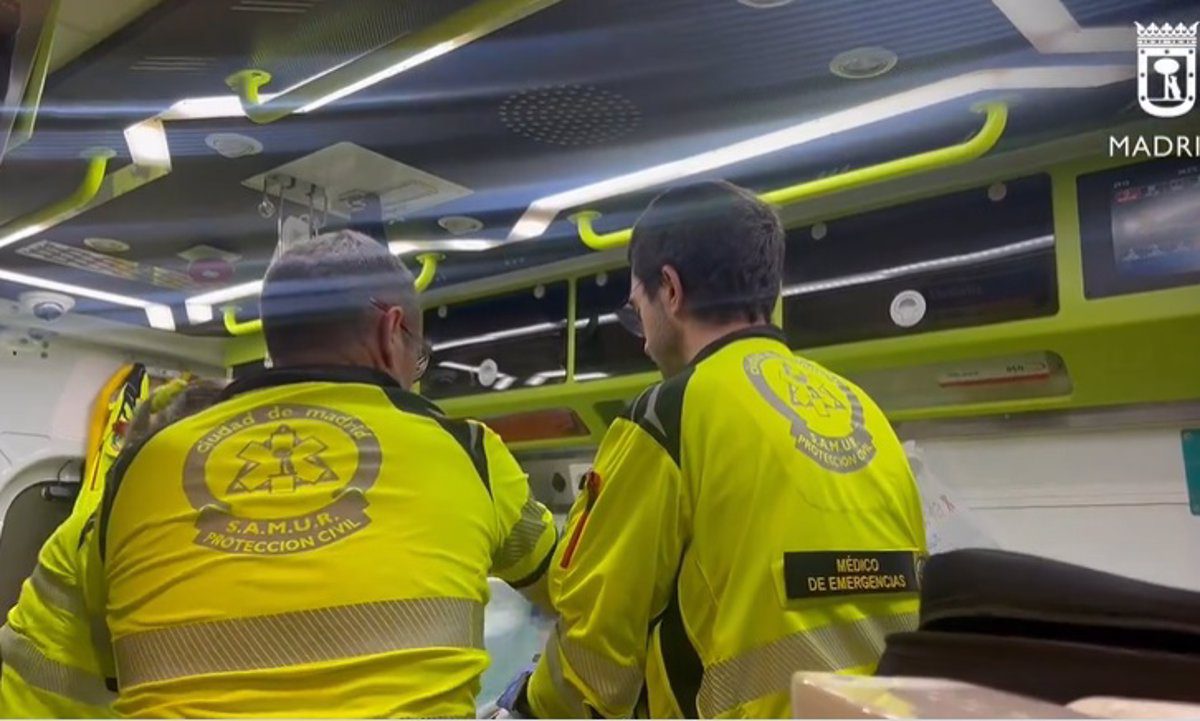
x=318 y=292
x=725 y=243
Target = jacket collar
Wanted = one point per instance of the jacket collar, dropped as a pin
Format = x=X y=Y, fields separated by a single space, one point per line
x=275 y=377
x=770 y=332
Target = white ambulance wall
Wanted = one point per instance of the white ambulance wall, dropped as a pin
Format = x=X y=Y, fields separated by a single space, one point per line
x=45 y=403
x=1112 y=500
x=43 y=420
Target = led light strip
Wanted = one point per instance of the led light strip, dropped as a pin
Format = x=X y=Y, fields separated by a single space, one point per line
x=200 y=307
x=1051 y=29
x=157 y=315
x=520 y=332
x=419 y=59
x=900 y=271
x=540 y=379
x=538 y=217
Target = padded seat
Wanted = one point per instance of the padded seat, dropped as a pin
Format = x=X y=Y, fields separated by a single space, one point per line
x=1050 y=630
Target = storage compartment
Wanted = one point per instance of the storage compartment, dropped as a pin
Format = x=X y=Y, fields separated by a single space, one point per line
x=603 y=348
x=980 y=256
x=503 y=342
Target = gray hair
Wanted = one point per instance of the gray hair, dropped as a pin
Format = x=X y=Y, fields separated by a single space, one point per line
x=320 y=291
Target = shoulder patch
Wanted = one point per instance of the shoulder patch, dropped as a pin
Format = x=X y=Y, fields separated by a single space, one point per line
x=659 y=412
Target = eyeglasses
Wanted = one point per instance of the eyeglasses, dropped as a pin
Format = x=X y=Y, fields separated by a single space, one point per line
x=426 y=350
x=631 y=320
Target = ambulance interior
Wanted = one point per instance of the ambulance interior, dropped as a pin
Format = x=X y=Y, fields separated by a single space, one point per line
x=961 y=243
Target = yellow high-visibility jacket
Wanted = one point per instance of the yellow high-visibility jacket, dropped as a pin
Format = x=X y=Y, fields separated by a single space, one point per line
x=50 y=666
x=749 y=518
x=316 y=544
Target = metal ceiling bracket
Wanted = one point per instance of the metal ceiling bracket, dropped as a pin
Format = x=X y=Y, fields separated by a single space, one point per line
x=93 y=177
x=429 y=266
x=973 y=148
x=480 y=19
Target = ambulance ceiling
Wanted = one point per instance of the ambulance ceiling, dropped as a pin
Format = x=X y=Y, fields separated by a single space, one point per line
x=560 y=110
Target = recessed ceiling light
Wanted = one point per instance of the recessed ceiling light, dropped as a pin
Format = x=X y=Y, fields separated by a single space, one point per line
x=908 y=308
x=233 y=145
x=764 y=4
x=861 y=63
x=107 y=245
x=461 y=224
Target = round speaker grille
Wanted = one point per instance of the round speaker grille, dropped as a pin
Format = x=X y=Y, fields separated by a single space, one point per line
x=570 y=115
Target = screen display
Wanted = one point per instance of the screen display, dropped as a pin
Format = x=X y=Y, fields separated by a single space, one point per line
x=1156 y=225
x=1140 y=227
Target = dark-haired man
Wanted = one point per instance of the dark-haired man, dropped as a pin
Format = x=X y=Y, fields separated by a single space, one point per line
x=751 y=516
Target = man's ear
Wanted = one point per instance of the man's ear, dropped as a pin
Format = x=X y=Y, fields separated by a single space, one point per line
x=385 y=333
x=672 y=290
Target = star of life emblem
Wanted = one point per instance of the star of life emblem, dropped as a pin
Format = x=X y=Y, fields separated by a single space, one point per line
x=1167 y=68
x=281 y=479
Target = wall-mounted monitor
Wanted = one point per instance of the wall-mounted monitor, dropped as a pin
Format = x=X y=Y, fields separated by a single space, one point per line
x=979 y=256
x=1140 y=228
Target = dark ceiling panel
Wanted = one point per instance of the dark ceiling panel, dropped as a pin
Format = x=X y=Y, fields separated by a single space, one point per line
x=1092 y=13
x=580 y=92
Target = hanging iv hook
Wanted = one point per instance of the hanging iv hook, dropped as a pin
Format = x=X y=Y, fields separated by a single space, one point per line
x=324 y=210
x=312 y=213
x=266 y=208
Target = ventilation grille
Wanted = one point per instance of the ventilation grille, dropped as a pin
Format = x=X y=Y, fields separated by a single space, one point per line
x=286 y=7
x=570 y=115
x=191 y=64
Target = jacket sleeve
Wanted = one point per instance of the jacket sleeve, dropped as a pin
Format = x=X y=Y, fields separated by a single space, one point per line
x=527 y=532
x=613 y=574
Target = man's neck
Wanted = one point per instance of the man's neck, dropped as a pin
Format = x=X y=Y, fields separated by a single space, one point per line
x=325 y=359
x=699 y=337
